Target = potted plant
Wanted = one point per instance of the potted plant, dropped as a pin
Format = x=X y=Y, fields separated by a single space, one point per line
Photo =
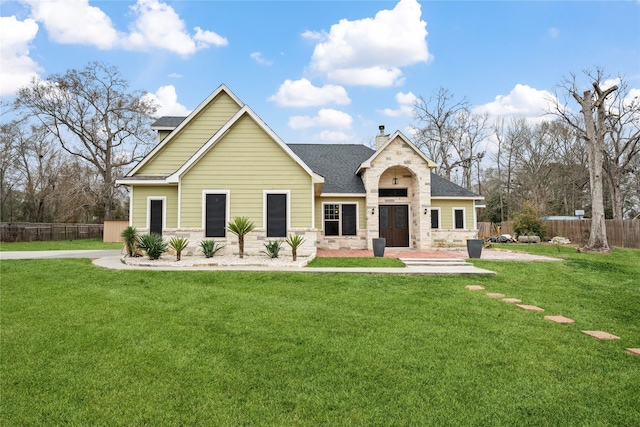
x=474 y=247
x=378 y=246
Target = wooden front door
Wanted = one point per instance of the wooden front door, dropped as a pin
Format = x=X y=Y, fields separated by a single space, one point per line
x=394 y=225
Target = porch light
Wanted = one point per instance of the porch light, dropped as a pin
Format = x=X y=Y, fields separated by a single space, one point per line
x=395 y=177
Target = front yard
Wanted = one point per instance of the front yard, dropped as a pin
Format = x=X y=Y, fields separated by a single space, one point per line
x=86 y=346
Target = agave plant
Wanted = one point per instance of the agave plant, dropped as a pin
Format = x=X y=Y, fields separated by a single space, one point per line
x=210 y=247
x=241 y=226
x=178 y=244
x=153 y=244
x=130 y=237
x=294 y=241
x=272 y=248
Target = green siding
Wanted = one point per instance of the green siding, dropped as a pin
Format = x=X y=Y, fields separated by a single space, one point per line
x=362 y=212
x=246 y=161
x=197 y=132
x=446 y=212
x=140 y=195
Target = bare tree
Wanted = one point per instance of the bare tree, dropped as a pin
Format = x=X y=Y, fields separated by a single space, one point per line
x=94 y=117
x=9 y=179
x=437 y=131
x=591 y=125
x=622 y=143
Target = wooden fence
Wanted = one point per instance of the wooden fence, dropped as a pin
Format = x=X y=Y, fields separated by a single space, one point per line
x=29 y=232
x=113 y=229
x=620 y=233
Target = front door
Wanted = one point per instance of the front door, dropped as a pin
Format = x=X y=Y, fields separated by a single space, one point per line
x=394 y=225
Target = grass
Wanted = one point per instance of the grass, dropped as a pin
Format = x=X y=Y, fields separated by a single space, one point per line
x=88 y=346
x=356 y=262
x=59 y=245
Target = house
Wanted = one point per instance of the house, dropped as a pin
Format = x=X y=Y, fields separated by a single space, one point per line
x=223 y=161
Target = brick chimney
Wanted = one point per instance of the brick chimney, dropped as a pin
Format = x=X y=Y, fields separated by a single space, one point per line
x=381 y=138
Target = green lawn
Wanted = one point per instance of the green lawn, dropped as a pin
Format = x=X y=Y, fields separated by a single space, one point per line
x=87 y=346
x=58 y=245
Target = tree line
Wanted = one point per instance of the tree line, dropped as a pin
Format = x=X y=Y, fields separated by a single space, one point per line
x=76 y=132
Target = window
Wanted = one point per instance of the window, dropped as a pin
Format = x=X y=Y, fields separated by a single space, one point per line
x=276 y=214
x=435 y=218
x=458 y=218
x=156 y=214
x=340 y=219
x=215 y=219
x=392 y=192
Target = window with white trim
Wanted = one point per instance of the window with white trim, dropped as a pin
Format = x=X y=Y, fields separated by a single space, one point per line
x=340 y=219
x=276 y=214
x=435 y=218
x=458 y=218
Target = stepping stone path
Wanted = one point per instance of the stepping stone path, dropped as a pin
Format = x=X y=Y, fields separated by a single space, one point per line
x=601 y=335
x=560 y=319
x=529 y=307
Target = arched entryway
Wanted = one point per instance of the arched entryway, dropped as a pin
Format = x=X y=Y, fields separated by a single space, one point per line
x=396 y=196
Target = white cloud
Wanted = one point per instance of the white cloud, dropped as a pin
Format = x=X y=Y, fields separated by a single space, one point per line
x=167 y=100
x=257 y=56
x=301 y=93
x=75 y=22
x=334 y=137
x=406 y=103
x=175 y=75
x=371 y=51
x=523 y=100
x=17 y=67
x=554 y=32
x=156 y=26
x=326 y=117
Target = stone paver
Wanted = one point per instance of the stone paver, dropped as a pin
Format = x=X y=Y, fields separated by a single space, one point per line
x=634 y=351
x=475 y=287
x=601 y=335
x=529 y=307
x=560 y=319
x=494 y=295
x=511 y=300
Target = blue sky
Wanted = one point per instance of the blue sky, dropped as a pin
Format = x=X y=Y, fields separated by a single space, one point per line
x=326 y=71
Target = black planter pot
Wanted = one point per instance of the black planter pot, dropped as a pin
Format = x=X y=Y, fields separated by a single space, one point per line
x=378 y=246
x=474 y=247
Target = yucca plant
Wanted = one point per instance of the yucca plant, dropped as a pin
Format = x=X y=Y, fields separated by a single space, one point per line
x=241 y=226
x=272 y=248
x=153 y=244
x=130 y=237
x=210 y=247
x=178 y=244
x=294 y=241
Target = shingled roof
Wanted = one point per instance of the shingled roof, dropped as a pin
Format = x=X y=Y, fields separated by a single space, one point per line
x=440 y=187
x=337 y=163
x=168 y=122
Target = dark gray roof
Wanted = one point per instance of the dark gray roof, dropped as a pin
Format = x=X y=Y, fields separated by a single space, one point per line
x=168 y=122
x=440 y=187
x=337 y=163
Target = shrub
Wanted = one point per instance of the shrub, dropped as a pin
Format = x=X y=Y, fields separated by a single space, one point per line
x=130 y=237
x=294 y=241
x=210 y=247
x=528 y=223
x=153 y=244
x=178 y=244
x=241 y=226
x=272 y=248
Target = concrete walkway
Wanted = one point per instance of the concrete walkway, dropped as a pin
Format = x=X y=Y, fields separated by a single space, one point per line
x=437 y=262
